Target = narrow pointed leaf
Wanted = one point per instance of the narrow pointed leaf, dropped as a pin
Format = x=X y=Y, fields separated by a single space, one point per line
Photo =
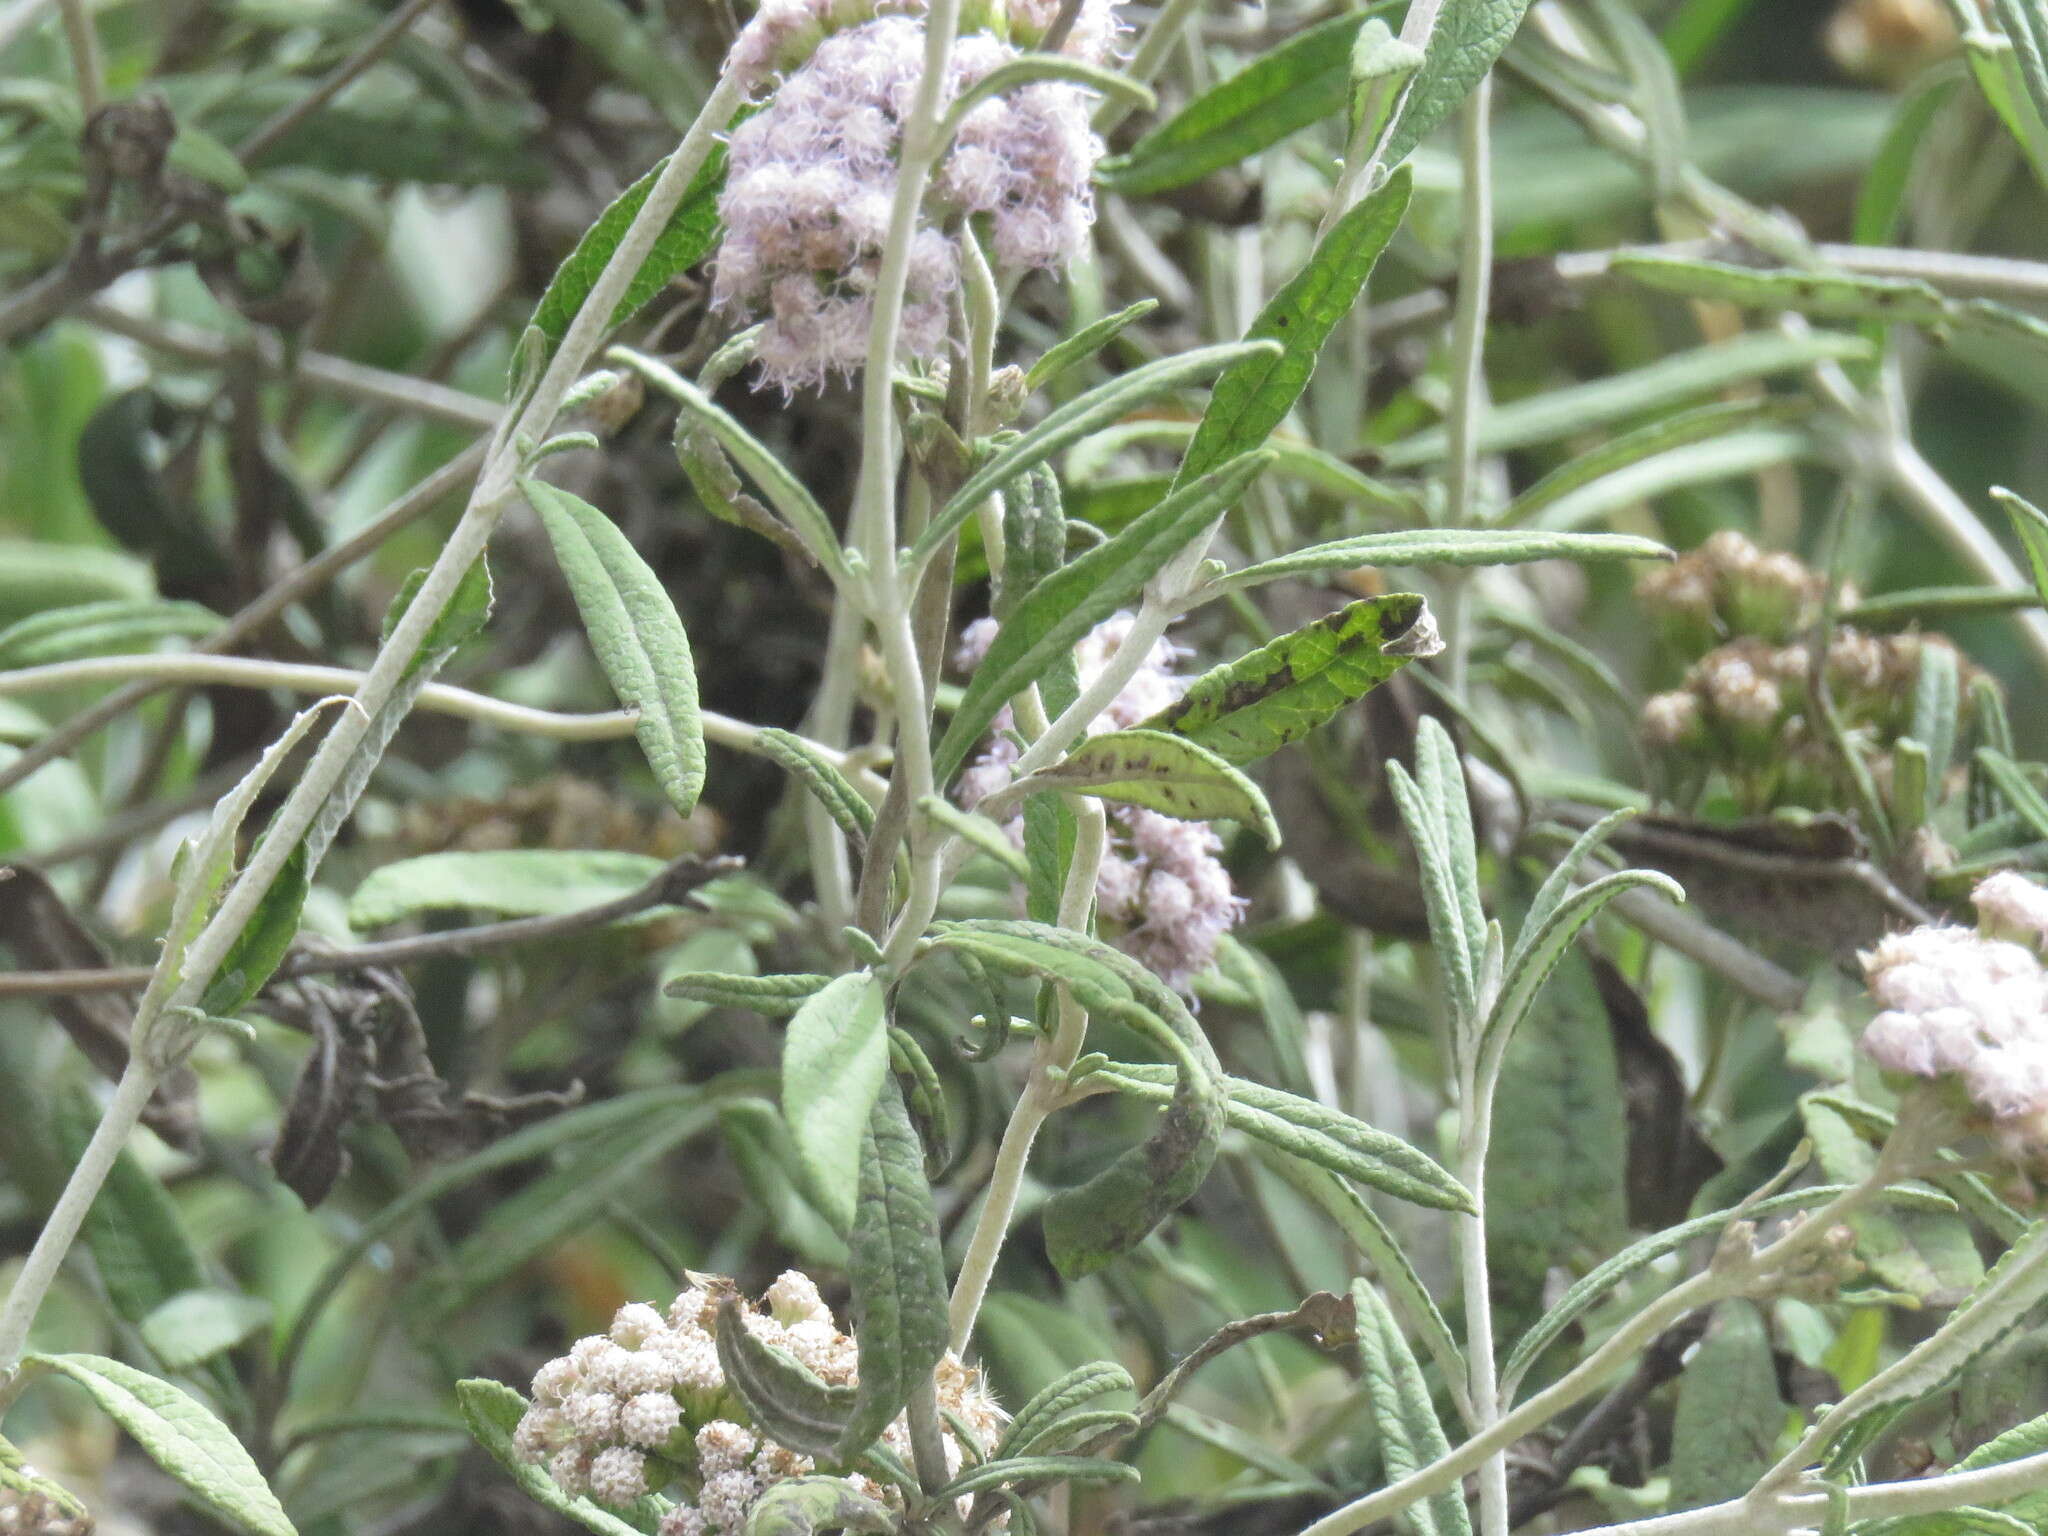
x=180 y=1436
x=785 y=1398
x=1079 y=1389
x=109 y=628
x=773 y=995
x=194 y=1326
x=2030 y=525
x=1168 y=774
x=847 y=807
x=1256 y=393
x=1073 y=350
x=1446 y=546
x=1255 y=705
x=898 y=1272
x=1061 y=609
x=635 y=633
x=1028 y=1472
x=1469 y=36
x=1410 y=1435
x=833 y=1062
x=805 y=1506
x=1106 y=403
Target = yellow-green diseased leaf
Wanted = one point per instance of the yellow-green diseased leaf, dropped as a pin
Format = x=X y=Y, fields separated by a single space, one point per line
x=1255 y=395
x=774 y=995
x=833 y=1062
x=1084 y=344
x=1313 y=1132
x=1163 y=773
x=1831 y=295
x=2030 y=524
x=1447 y=546
x=1304 y=80
x=29 y=1487
x=1636 y=394
x=1052 y=618
x=112 y=627
x=784 y=1397
x=180 y=1436
x=898 y=1272
x=262 y=943
x=197 y=1325
x=804 y=1506
x=468 y=610
x=690 y=233
x=1410 y=1435
x=1927 y=1254
x=634 y=630
x=1254 y=706
x=507 y=882
x=1729 y=1412
x=1108 y=402
x=846 y=805
x=492 y=1411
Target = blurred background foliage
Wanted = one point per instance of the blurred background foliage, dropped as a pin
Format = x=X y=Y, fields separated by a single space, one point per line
x=222 y=364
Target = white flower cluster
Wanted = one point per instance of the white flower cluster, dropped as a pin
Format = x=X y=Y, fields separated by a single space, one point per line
x=1972 y=1005
x=646 y=1407
x=811 y=177
x=1161 y=879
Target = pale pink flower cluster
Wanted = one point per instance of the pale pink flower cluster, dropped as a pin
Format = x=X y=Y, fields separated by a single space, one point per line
x=1162 y=880
x=1972 y=1004
x=646 y=1406
x=811 y=177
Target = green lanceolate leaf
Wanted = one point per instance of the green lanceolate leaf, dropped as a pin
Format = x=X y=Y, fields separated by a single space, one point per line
x=1038 y=1422
x=263 y=941
x=1637 y=394
x=1445 y=546
x=1729 y=1412
x=1034 y=538
x=847 y=807
x=197 y=1325
x=1469 y=36
x=492 y=1411
x=468 y=610
x=1831 y=295
x=898 y=1273
x=1256 y=394
x=507 y=882
x=689 y=235
x=137 y=1240
x=1027 y=1472
x=1163 y=773
x=180 y=1436
x=1313 y=1132
x=101 y=629
x=833 y=1063
x=634 y=630
x=1072 y=600
x=1073 y=350
x=977 y=830
x=1106 y=403
x=1248 y=708
x=1304 y=80
x=1410 y=1435
x=775 y=996
x=805 y=1506
x=2030 y=524
x=787 y=1401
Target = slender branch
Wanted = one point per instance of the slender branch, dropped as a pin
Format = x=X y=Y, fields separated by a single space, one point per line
x=84 y=44
x=414 y=504
x=1362 y=163
x=374 y=47
x=1149 y=59
x=355 y=381
x=664 y=890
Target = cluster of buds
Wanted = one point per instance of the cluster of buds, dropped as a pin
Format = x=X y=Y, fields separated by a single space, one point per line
x=811 y=177
x=1745 y=619
x=1162 y=881
x=646 y=1409
x=1970 y=1006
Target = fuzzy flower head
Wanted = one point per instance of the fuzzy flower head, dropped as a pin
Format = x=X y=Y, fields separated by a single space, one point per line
x=1971 y=1006
x=645 y=1408
x=1162 y=881
x=811 y=178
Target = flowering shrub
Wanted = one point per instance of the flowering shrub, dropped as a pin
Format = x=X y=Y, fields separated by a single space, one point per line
x=1281 y=756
